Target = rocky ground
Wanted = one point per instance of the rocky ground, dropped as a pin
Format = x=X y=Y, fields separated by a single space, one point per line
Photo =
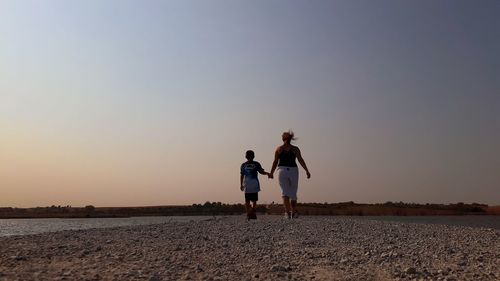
x=270 y=248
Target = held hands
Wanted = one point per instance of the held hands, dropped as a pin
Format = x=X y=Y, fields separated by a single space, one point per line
x=271 y=176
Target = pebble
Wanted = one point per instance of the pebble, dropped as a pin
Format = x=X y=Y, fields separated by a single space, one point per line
x=270 y=248
x=277 y=267
x=410 y=270
x=19 y=258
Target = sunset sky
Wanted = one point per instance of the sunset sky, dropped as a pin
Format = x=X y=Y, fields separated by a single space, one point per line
x=127 y=103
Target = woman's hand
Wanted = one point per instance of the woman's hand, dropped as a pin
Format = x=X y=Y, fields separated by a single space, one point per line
x=308 y=175
x=269 y=175
x=242 y=188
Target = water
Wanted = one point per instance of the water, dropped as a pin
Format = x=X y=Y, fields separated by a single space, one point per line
x=471 y=221
x=9 y=227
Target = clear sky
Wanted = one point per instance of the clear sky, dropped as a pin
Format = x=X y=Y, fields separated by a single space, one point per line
x=117 y=103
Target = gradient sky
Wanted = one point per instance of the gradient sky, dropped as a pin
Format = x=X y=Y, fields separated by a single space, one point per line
x=117 y=103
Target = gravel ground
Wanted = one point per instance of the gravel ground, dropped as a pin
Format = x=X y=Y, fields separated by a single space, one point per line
x=270 y=248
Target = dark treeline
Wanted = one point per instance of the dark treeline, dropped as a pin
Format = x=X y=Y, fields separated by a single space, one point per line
x=209 y=208
x=218 y=208
x=390 y=209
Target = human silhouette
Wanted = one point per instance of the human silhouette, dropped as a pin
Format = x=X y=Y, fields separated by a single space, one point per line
x=288 y=172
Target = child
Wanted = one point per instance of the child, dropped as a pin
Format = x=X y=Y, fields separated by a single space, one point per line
x=250 y=183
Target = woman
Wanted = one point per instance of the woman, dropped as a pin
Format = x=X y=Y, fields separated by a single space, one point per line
x=288 y=172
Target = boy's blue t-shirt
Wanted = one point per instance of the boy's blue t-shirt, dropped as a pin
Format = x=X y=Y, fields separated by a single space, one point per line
x=249 y=170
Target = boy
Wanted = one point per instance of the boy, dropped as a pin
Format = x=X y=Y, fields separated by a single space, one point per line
x=250 y=183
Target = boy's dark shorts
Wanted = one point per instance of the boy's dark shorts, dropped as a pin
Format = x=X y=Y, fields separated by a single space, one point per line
x=252 y=197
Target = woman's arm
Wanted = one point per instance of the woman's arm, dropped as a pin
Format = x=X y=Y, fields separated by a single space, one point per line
x=301 y=161
x=275 y=162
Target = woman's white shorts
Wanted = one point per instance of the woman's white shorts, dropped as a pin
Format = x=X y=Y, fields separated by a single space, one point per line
x=289 y=181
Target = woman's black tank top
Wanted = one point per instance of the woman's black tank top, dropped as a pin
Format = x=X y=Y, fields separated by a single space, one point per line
x=287 y=159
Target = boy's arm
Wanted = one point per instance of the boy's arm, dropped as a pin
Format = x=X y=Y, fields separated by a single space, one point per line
x=262 y=171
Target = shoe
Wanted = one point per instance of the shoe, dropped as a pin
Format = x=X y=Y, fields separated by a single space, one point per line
x=295 y=215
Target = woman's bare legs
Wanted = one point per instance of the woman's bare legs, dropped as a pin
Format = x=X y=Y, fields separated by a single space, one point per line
x=286 y=203
x=293 y=207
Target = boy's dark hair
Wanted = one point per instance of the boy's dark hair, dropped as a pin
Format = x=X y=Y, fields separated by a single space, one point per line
x=250 y=154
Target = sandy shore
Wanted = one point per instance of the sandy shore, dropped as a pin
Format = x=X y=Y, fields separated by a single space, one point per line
x=271 y=248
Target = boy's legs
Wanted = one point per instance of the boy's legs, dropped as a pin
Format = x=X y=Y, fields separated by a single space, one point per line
x=248 y=208
x=251 y=208
x=254 y=206
x=254 y=209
